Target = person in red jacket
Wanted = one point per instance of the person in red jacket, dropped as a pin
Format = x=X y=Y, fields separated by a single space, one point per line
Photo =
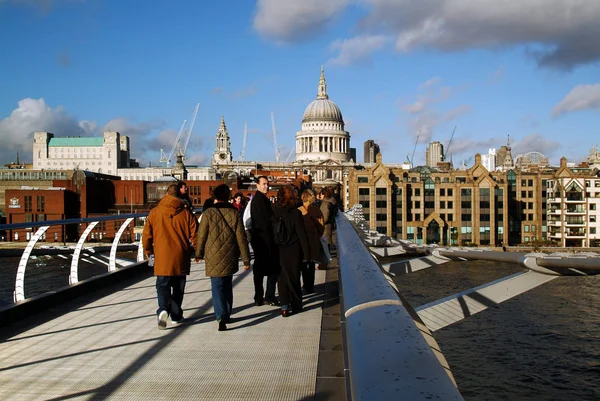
x=170 y=236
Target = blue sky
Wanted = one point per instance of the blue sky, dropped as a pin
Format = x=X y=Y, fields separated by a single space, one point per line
x=527 y=69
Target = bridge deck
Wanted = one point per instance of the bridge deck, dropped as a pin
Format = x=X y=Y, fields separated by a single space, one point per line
x=111 y=348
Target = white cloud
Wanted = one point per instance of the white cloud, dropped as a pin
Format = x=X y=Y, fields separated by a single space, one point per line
x=582 y=97
x=536 y=143
x=425 y=116
x=557 y=33
x=430 y=83
x=457 y=112
x=564 y=32
x=293 y=20
x=357 y=49
x=141 y=136
x=35 y=115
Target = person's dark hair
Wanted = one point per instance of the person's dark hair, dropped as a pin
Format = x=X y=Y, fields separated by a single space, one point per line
x=261 y=176
x=286 y=196
x=240 y=195
x=173 y=190
x=181 y=184
x=222 y=193
x=208 y=203
x=327 y=192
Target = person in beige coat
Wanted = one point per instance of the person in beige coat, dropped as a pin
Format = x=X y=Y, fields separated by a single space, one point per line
x=170 y=236
x=221 y=241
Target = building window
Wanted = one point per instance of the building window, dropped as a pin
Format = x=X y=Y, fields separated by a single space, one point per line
x=526 y=229
x=450 y=205
x=592 y=218
x=442 y=204
x=449 y=192
x=363 y=179
x=592 y=230
x=442 y=191
x=363 y=191
x=28 y=203
x=449 y=216
x=380 y=191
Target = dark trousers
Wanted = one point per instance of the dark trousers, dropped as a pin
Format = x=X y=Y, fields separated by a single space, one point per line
x=308 y=276
x=169 y=291
x=290 y=289
x=222 y=297
x=259 y=292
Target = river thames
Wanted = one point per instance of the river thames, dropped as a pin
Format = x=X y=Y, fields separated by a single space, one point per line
x=542 y=345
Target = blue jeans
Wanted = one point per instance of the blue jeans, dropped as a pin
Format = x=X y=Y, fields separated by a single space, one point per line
x=169 y=291
x=222 y=297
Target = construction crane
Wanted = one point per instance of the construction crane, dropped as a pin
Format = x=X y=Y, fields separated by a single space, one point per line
x=189 y=131
x=277 y=155
x=447 y=150
x=287 y=159
x=244 y=141
x=167 y=159
x=411 y=159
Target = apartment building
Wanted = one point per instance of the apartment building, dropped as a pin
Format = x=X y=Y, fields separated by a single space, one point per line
x=456 y=207
x=573 y=204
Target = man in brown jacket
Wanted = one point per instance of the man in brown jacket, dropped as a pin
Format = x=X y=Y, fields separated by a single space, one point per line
x=170 y=235
x=221 y=241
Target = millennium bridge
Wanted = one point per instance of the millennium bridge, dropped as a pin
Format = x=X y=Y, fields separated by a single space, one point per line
x=356 y=339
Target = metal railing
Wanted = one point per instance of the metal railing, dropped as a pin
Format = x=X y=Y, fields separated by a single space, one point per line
x=389 y=352
x=42 y=227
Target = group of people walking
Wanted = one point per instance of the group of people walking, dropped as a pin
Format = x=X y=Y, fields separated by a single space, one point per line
x=290 y=238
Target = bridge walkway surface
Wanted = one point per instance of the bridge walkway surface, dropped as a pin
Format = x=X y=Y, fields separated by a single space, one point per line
x=109 y=347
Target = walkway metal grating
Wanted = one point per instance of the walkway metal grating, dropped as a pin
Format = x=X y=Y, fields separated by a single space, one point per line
x=111 y=349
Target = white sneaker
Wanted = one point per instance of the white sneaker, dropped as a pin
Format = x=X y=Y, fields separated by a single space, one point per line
x=162 y=320
x=178 y=321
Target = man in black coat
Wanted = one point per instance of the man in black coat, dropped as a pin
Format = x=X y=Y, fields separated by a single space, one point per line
x=266 y=258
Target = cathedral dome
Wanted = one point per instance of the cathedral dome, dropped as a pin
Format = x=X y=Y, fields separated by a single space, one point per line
x=322 y=109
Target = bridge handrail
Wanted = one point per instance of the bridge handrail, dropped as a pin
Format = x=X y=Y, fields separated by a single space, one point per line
x=42 y=226
x=33 y=224
x=387 y=355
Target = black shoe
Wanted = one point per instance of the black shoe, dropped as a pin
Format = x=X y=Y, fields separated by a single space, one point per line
x=309 y=291
x=273 y=302
x=222 y=326
x=285 y=312
x=260 y=302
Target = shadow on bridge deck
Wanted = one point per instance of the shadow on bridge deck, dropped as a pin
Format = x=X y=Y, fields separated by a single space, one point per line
x=110 y=348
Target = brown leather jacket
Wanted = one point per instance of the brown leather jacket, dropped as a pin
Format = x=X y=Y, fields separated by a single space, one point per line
x=170 y=234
